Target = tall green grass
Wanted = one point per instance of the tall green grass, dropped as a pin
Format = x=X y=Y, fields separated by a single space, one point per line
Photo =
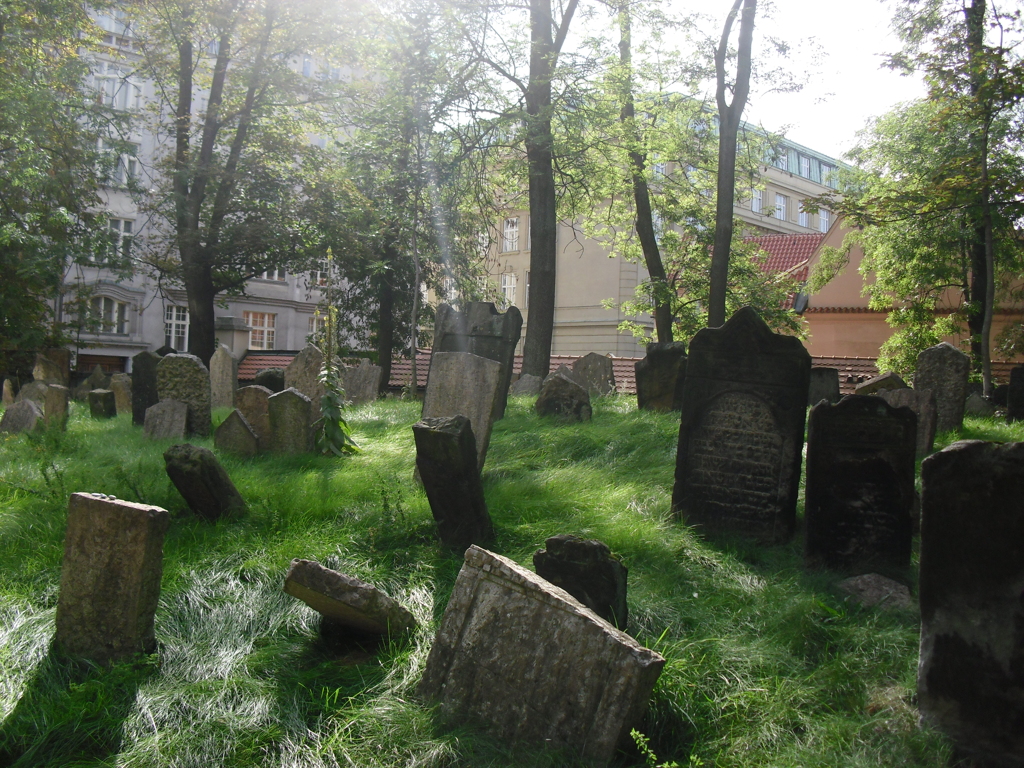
x=767 y=665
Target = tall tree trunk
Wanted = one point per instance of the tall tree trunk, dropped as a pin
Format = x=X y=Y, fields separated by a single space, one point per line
x=386 y=319
x=198 y=283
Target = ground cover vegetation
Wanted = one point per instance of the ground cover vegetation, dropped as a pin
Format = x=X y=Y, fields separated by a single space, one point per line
x=767 y=664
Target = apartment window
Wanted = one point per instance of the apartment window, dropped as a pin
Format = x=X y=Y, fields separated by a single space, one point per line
x=118 y=168
x=261 y=329
x=508 y=288
x=116 y=25
x=120 y=243
x=805 y=167
x=320 y=275
x=661 y=168
x=114 y=88
x=176 y=327
x=782 y=159
x=307 y=67
x=828 y=176
x=317 y=323
x=274 y=274
x=112 y=315
x=824 y=220
x=803 y=218
x=510 y=235
x=757 y=200
x=781 y=206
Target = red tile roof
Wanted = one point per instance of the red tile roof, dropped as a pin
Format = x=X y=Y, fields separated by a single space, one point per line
x=252 y=363
x=787 y=253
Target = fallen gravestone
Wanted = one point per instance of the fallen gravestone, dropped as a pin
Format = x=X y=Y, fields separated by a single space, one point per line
x=970 y=680
x=47 y=371
x=121 y=386
x=290 y=428
x=527 y=384
x=303 y=375
x=824 y=386
x=55 y=406
x=879 y=384
x=271 y=378
x=346 y=603
x=741 y=430
x=446 y=459
x=660 y=376
x=253 y=403
x=562 y=397
x=202 y=481
x=235 y=435
x=34 y=390
x=223 y=378
x=860 y=485
x=922 y=403
x=184 y=378
x=361 y=382
x=167 y=420
x=594 y=373
x=980 y=406
x=872 y=590
x=586 y=569
x=144 y=391
x=102 y=404
x=944 y=369
x=535 y=664
x=21 y=417
x=1015 y=395
x=110 y=579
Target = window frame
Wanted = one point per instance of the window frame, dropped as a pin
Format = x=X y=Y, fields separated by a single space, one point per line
x=781 y=206
x=176 y=317
x=510 y=235
x=262 y=335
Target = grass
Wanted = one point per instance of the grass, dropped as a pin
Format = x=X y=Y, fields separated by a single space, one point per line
x=767 y=665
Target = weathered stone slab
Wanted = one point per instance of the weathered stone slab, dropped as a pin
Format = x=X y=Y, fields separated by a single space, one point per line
x=922 y=403
x=167 y=420
x=110 y=579
x=291 y=430
x=55 y=406
x=525 y=656
x=944 y=369
x=446 y=458
x=979 y=405
x=660 y=376
x=594 y=373
x=562 y=397
x=202 y=481
x=184 y=378
x=824 y=386
x=586 y=569
x=253 y=403
x=483 y=331
x=872 y=590
x=527 y=384
x=47 y=371
x=303 y=375
x=1000 y=393
x=271 y=378
x=235 y=435
x=61 y=357
x=34 y=390
x=144 y=390
x=21 y=417
x=10 y=391
x=121 y=386
x=860 y=485
x=346 y=601
x=1015 y=395
x=971 y=675
x=223 y=378
x=741 y=430
x=466 y=384
x=102 y=404
x=98 y=379
x=880 y=383
x=361 y=382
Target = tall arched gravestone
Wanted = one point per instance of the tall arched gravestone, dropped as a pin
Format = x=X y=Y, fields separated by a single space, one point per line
x=144 y=392
x=944 y=369
x=184 y=378
x=742 y=430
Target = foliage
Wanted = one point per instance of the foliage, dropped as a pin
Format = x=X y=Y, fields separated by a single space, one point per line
x=334 y=436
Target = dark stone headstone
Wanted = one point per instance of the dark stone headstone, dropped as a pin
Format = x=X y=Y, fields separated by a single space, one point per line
x=562 y=397
x=527 y=384
x=144 y=391
x=291 y=430
x=271 y=378
x=202 y=481
x=860 y=485
x=586 y=569
x=98 y=379
x=184 y=378
x=167 y=420
x=970 y=681
x=102 y=404
x=999 y=395
x=21 y=417
x=235 y=435
x=880 y=383
x=944 y=369
x=742 y=430
x=1015 y=395
x=922 y=403
x=446 y=458
x=660 y=376
x=824 y=386
x=253 y=402
x=166 y=349
x=979 y=405
x=594 y=373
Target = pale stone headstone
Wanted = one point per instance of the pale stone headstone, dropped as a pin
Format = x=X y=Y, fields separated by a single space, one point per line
x=922 y=403
x=10 y=391
x=202 y=481
x=461 y=383
x=47 y=371
x=527 y=384
x=860 y=485
x=223 y=378
x=824 y=386
x=236 y=435
x=660 y=376
x=970 y=680
x=144 y=391
x=121 y=386
x=102 y=404
x=881 y=383
x=741 y=431
x=167 y=420
x=446 y=459
x=524 y=656
x=110 y=579
x=21 y=417
x=594 y=373
x=252 y=402
x=873 y=589
x=346 y=602
x=291 y=430
x=271 y=378
x=362 y=382
x=184 y=378
x=55 y=405
x=1015 y=395
x=562 y=397
x=303 y=375
x=34 y=390
x=586 y=569
x=944 y=369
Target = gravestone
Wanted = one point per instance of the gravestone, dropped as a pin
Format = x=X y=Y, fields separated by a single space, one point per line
x=34 y=390
x=860 y=485
x=880 y=383
x=97 y=379
x=999 y=394
x=184 y=378
x=252 y=402
x=483 y=331
x=586 y=569
x=235 y=435
x=21 y=417
x=271 y=378
x=524 y=656
x=345 y=602
x=47 y=371
x=741 y=430
x=223 y=378
x=970 y=681
x=55 y=406
x=10 y=391
x=979 y=405
x=167 y=420
x=290 y=428
x=202 y=481
x=303 y=375
x=110 y=579
x=361 y=382
x=922 y=403
x=121 y=386
x=166 y=350
x=61 y=357
x=470 y=385
x=527 y=384
x=446 y=459
x=594 y=373
x=660 y=376
x=144 y=391
x=102 y=404
x=1015 y=395
x=824 y=386
x=873 y=589
x=944 y=369
x=562 y=397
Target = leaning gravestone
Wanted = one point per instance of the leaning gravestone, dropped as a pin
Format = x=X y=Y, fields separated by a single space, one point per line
x=562 y=397
x=470 y=385
x=202 y=481
x=34 y=390
x=446 y=459
x=361 y=382
x=660 y=376
x=102 y=404
x=271 y=378
x=943 y=369
x=586 y=569
x=881 y=383
x=21 y=417
x=47 y=371
x=824 y=386
x=121 y=386
x=303 y=375
x=253 y=403
x=860 y=485
x=535 y=664
x=235 y=435
x=1015 y=395
x=922 y=403
x=184 y=378
x=55 y=406
x=291 y=430
x=144 y=391
x=167 y=420
x=970 y=681
x=345 y=602
x=223 y=378
x=742 y=430
x=526 y=384
x=483 y=331
x=594 y=373
x=110 y=579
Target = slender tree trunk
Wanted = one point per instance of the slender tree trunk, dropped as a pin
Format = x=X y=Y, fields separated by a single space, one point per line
x=198 y=283
x=386 y=320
